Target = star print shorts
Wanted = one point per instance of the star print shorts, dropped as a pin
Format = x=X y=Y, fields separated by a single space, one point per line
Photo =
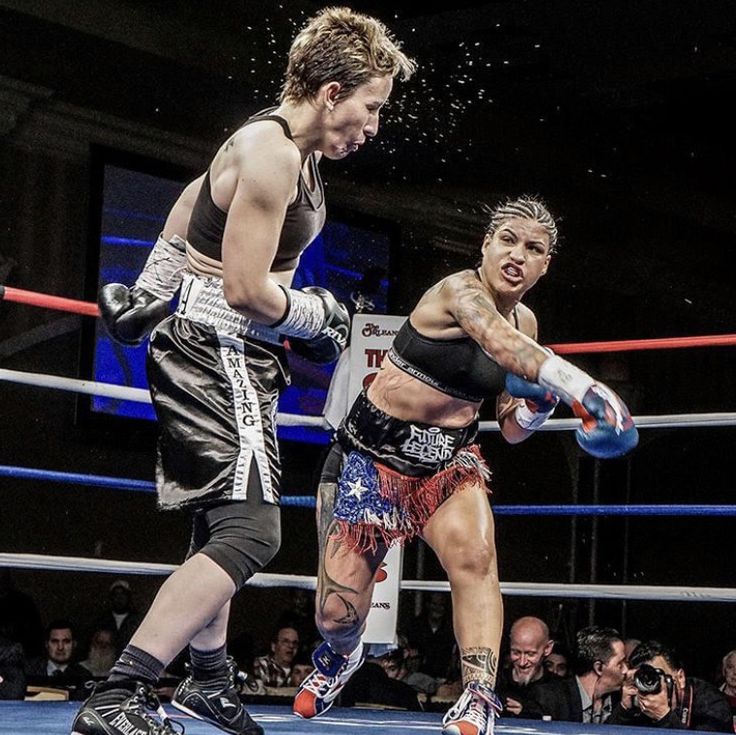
x=392 y=475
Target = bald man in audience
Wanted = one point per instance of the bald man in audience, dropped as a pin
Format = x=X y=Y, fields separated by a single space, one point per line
x=529 y=644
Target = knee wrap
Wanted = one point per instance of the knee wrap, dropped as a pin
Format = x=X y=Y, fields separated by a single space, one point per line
x=241 y=537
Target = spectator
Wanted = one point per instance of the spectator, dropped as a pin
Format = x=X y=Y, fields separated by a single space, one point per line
x=600 y=668
x=433 y=634
x=728 y=687
x=58 y=667
x=371 y=684
x=396 y=665
x=12 y=670
x=657 y=693
x=274 y=670
x=529 y=644
x=120 y=615
x=300 y=616
x=558 y=660
x=102 y=652
x=301 y=668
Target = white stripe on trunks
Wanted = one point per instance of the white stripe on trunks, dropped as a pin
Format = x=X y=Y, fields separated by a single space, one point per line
x=248 y=419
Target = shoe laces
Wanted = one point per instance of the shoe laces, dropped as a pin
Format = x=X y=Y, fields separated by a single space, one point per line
x=487 y=695
x=477 y=713
x=233 y=677
x=318 y=683
x=478 y=705
x=145 y=698
x=236 y=676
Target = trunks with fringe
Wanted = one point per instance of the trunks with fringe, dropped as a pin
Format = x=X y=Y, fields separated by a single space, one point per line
x=375 y=502
x=388 y=490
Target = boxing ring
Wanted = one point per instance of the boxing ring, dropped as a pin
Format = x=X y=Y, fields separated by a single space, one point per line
x=54 y=718
x=50 y=718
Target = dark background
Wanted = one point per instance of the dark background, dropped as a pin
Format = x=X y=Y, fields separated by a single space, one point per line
x=615 y=112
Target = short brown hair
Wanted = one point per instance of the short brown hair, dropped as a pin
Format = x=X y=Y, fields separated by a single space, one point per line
x=340 y=45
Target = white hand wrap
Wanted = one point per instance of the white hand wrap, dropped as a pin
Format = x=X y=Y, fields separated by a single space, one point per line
x=304 y=317
x=564 y=379
x=161 y=275
x=528 y=419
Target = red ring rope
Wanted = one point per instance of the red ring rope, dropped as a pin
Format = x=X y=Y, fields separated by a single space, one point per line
x=87 y=308
x=48 y=302
x=630 y=345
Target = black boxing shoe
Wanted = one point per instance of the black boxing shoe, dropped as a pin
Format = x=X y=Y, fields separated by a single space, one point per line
x=216 y=701
x=123 y=708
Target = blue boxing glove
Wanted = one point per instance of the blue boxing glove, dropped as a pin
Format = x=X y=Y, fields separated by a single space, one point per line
x=539 y=402
x=607 y=430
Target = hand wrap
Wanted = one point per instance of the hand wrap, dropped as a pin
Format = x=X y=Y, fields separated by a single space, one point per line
x=539 y=403
x=316 y=323
x=608 y=429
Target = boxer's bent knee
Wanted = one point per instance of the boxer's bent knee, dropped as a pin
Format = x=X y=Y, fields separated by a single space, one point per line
x=242 y=556
x=240 y=536
x=471 y=560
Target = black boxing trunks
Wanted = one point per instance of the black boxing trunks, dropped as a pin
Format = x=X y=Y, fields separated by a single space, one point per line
x=407 y=447
x=394 y=474
x=215 y=396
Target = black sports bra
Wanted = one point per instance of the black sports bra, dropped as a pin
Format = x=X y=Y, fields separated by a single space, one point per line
x=458 y=367
x=304 y=219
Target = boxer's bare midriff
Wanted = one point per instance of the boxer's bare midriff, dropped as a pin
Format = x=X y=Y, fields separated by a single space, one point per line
x=403 y=396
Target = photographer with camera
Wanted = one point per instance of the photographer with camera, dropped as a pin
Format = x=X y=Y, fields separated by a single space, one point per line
x=656 y=693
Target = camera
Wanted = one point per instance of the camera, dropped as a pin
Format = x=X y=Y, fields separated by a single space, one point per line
x=648 y=680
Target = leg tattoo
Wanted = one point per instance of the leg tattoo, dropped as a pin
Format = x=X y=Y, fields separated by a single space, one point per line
x=479 y=664
x=326 y=526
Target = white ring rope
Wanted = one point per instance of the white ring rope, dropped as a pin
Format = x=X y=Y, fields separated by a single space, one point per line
x=141 y=395
x=664 y=421
x=534 y=589
x=121 y=392
x=527 y=589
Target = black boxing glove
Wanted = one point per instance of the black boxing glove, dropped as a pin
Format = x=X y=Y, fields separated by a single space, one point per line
x=332 y=338
x=130 y=313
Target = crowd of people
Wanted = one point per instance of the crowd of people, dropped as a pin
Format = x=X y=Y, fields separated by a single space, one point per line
x=601 y=678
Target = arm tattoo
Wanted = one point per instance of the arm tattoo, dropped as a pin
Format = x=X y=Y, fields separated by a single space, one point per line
x=479 y=664
x=476 y=313
x=326 y=527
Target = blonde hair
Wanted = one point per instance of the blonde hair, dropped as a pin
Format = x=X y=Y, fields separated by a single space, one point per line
x=340 y=45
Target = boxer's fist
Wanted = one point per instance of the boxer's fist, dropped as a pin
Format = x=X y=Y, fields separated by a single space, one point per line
x=129 y=314
x=332 y=339
x=608 y=430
